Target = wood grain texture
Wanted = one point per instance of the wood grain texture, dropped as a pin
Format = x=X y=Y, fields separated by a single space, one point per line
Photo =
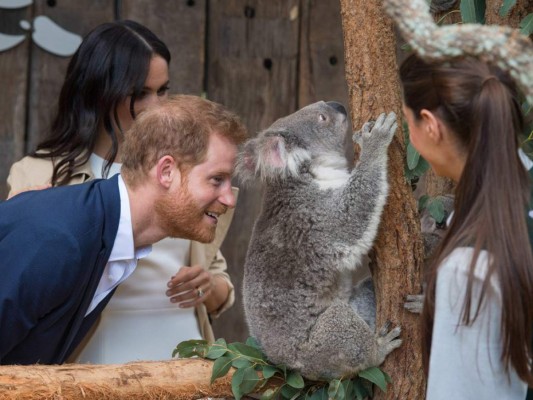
x=13 y=96
x=177 y=379
x=252 y=63
x=181 y=25
x=47 y=70
x=371 y=73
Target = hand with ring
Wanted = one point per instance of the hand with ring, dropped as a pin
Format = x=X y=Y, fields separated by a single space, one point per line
x=190 y=286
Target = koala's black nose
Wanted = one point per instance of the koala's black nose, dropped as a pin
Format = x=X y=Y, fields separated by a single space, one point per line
x=337 y=106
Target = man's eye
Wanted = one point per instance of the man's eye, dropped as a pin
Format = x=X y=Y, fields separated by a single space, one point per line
x=163 y=91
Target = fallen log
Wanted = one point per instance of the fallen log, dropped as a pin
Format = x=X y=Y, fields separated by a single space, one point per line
x=175 y=379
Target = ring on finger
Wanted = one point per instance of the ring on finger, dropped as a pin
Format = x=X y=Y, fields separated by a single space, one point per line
x=200 y=292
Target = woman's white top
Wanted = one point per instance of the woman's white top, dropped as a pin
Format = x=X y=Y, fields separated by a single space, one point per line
x=140 y=322
x=465 y=360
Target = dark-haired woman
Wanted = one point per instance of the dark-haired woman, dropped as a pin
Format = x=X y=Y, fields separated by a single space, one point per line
x=464 y=117
x=119 y=70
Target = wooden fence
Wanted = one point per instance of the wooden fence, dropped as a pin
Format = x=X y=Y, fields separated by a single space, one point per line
x=262 y=59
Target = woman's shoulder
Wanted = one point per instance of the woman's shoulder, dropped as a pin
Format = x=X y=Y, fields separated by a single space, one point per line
x=28 y=172
x=35 y=171
x=458 y=264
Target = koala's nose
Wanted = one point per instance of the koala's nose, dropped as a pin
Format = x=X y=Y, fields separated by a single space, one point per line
x=337 y=107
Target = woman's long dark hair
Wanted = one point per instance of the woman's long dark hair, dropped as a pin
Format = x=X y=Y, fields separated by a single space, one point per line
x=479 y=104
x=111 y=64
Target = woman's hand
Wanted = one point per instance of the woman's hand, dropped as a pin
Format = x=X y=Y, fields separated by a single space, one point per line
x=194 y=285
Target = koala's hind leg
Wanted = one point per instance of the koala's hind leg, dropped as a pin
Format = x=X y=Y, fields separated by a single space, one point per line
x=341 y=344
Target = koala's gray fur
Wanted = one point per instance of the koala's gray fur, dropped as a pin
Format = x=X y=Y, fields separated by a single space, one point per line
x=317 y=222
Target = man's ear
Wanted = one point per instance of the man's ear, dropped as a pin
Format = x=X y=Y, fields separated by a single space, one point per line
x=432 y=125
x=167 y=171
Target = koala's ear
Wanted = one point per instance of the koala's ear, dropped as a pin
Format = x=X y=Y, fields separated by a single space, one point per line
x=247 y=161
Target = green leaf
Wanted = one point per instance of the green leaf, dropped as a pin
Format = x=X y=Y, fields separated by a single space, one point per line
x=335 y=390
x=236 y=381
x=250 y=379
x=473 y=11
x=251 y=341
x=269 y=371
x=412 y=157
x=436 y=210
x=526 y=25
x=221 y=367
x=289 y=392
x=247 y=351
x=320 y=394
x=295 y=380
x=269 y=394
x=422 y=202
x=376 y=376
x=506 y=7
x=348 y=389
x=191 y=348
x=360 y=390
x=240 y=362
x=217 y=349
x=387 y=377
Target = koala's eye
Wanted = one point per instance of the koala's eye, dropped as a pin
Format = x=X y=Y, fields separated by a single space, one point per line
x=322 y=117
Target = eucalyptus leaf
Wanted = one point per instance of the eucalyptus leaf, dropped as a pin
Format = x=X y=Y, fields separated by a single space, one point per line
x=288 y=391
x=423 y=202
x=335 y=390
x=506 y=7
x=348 y=389
x=360 y=390
x=236 y=381
x=320 y=394
x=376 y=376
x=421 y=167
x=221 y=367
x=387 y=377
x=217 y=349
x=526 y=25
x=191 y=348
x=240 y=362
x=249 y=381
x=246 y=350
x=295 y=380
x=436 y=210
x=412 y=157
x=251 y=341
x=473 y=11
x=269 y=371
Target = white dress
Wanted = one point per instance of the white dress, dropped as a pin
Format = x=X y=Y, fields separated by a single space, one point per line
x=465 y=360
x=140 y=322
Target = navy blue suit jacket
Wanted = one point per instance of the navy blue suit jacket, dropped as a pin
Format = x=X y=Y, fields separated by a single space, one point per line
x=54 y=245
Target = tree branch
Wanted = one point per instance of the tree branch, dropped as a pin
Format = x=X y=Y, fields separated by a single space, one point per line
x=502 y=46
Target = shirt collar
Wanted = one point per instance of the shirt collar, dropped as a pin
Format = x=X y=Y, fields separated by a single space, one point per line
x=123 y=247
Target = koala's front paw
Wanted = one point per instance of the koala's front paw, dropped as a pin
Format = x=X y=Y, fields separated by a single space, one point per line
x=375 y=135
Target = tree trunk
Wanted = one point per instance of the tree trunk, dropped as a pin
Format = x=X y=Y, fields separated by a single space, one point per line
x=177 y=379
x=371 y=73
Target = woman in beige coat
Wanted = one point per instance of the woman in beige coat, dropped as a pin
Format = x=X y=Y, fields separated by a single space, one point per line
x=120 y=69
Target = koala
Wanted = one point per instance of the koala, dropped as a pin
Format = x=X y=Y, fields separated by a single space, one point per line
x=318 y=220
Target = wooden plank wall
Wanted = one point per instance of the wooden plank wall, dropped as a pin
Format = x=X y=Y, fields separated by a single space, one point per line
x=262 y=59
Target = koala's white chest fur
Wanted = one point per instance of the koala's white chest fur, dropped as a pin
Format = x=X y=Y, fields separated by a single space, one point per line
x=330 y=171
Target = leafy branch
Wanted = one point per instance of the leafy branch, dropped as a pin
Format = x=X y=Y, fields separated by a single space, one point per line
x=254 y=374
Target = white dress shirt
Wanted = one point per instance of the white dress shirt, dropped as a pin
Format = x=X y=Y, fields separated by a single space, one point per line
x=124 y=256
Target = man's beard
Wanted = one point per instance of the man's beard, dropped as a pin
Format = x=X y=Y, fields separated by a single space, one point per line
x=180 y=217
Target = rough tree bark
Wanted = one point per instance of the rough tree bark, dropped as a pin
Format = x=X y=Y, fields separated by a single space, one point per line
x=177 y=380
x=371 y=74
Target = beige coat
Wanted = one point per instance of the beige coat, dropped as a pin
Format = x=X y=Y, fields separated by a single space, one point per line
x=30 y=172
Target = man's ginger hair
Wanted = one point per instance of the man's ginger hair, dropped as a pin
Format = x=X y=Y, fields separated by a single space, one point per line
x=179 y=126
